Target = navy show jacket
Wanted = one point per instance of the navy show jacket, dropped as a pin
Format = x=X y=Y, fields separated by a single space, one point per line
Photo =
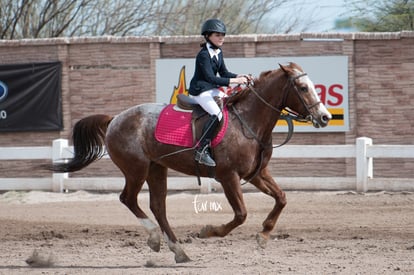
x=205 y=74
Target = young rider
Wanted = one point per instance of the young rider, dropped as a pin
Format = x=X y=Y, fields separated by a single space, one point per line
x=210 y=74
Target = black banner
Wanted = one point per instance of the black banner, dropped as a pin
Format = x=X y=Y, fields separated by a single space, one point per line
x=30 y=97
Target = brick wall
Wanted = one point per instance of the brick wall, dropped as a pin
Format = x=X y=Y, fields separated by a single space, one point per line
x=109 y=74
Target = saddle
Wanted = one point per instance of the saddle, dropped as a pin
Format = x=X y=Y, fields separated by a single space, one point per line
x=182 y=124
x=199 y=116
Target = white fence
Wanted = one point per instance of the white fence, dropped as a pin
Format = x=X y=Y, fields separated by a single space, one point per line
x=363 y=151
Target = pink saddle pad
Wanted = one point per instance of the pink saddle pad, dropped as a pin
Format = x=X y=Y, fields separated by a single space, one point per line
x=174 y=127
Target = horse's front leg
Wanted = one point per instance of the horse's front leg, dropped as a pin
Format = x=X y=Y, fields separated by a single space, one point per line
x=265 y=183
x=232 y=190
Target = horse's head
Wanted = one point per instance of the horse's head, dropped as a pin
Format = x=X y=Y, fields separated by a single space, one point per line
x=301 y=98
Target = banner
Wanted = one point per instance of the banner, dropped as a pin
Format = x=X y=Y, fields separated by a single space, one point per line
x=30 y=97
x=329 y=74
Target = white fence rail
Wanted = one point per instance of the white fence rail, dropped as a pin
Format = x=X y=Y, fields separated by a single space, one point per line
x=363 y=151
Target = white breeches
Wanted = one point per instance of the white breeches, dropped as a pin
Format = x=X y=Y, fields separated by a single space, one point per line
x=207 y=102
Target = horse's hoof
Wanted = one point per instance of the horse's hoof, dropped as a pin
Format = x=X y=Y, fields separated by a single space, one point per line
x=261 y=240
x=206 y=232
x=182 y=258
x=154 y=241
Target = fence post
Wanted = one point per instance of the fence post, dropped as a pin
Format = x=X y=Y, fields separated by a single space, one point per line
x=363 y=164
x=57 y=154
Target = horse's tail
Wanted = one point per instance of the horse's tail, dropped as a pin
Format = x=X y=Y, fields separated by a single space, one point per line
x=88 y=140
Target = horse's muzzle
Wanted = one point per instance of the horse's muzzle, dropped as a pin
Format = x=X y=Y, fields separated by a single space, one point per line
x=321 y=120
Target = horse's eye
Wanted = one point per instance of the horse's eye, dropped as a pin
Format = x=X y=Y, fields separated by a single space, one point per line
x=304 y=89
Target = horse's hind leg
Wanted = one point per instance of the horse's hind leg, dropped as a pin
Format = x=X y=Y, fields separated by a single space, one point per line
x=129 y=197
x=157 y=183
x=265 y=183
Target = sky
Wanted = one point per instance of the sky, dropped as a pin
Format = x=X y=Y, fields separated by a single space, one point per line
x=324 y=12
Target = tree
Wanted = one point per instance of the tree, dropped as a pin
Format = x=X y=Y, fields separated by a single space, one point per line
x=65 y=18
x=183 y=17
x=383 y=15
x=55 y=18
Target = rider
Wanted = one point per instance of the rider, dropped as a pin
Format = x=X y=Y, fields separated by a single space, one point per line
x=210 y=74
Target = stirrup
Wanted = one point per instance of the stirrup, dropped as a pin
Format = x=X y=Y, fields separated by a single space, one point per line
x=203 y=157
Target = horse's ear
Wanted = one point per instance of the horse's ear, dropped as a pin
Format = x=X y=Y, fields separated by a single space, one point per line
x=283 y=68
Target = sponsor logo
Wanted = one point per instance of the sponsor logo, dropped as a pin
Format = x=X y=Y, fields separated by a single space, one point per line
x=181 y=88
x=3 y=91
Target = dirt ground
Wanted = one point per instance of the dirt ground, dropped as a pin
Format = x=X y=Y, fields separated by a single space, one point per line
x=318 y=233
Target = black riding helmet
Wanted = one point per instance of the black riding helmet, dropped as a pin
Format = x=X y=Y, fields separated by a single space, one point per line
x=213 y=25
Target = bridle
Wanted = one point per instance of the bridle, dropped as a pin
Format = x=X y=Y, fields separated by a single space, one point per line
x=290 y=113
x=307 y=107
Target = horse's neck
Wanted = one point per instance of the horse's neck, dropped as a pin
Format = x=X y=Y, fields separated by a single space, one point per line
x=257 y=115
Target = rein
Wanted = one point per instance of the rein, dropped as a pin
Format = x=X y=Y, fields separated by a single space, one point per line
x=291 y=115
x=288 y=118
x=294 y=115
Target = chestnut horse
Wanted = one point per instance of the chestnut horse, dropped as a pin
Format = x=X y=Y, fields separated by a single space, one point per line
x=243 y=153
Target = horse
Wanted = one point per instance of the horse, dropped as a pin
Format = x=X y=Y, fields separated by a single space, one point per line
x=243 y=153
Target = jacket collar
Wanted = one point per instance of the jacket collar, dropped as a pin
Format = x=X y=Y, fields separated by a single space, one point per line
x=212 y=51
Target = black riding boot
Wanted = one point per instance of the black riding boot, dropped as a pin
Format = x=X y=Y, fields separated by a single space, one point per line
x=202 y=154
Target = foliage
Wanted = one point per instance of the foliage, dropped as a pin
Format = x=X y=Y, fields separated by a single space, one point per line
x=383 y=15
x=65 y=18
x=54 y=18
x=186 y=16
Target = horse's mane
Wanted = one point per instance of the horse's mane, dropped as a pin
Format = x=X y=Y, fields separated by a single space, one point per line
x=258 y=82
x=262 y=79
x=238 y=96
